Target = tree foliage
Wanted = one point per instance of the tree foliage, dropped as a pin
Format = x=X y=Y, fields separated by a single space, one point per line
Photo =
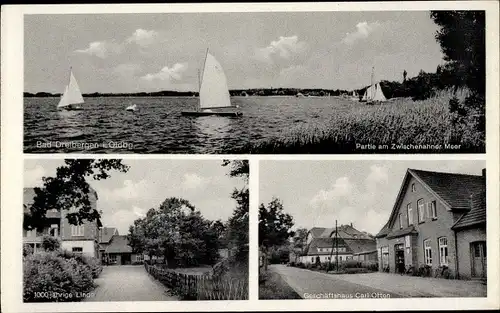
x=274 y=224
x=177 y=232
x=462 y=40
x=300 y=239
x=70 y=189
x=237 y=225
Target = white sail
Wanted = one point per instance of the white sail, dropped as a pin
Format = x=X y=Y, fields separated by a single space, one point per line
x=214 y=92
x=379 y=94
x=72 y=94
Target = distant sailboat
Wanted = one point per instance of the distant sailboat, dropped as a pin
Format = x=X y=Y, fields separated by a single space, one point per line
x=354 y=96
x=214 y=93
x=132 y=107
x=373 y=93
x=71 y=95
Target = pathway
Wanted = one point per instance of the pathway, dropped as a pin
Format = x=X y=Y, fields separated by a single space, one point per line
x=128 y=283
x=306 y=281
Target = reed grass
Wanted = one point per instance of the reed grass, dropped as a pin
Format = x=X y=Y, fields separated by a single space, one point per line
x=397 y=122
x=230 y=285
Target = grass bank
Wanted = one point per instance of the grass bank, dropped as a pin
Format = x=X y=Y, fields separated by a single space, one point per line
x=273 y=287
x=401 y=125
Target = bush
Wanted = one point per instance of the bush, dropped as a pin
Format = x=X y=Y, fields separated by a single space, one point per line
x=27 y=249
x=370 y=265
x=424 y=271
x=48 y=277
x=301 y=265
x=352 y=264
x=93 y=264
x=50 y=243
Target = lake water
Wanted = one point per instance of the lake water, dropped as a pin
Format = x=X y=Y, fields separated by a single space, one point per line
x=158 y=127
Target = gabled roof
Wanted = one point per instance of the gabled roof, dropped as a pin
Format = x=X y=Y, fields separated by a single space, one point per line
x=477 y=214
x=348 y=232
x=359 y=246
x=106 y=233
x=119 y=244
x=324 y=242
x=453 y=190
x=402 y=232
x=317 y=231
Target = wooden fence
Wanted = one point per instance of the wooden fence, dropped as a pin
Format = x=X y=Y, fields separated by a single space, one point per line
x=185 y=285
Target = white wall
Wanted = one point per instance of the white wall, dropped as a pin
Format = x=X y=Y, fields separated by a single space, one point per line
x=306 y=259
x=88 y=246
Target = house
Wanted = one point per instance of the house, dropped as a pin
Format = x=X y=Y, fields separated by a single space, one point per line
x=119 y=252
x=82 y=239
x=438 y=220
x=351 y=244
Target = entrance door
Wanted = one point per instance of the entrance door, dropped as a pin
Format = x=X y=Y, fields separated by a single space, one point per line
x=478 y=256
x=126 y=259
x=400 y=258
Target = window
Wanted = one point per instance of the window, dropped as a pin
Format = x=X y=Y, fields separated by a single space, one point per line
x=413 y=189
x=410 y=214
x=443 y=251
x=312 y=260
x=77 y=230
x=420 y=204
x=139 y=258
x=432 y=209
x=427 y=252
x=408 y=241
x=77 y=250
x=400 y=220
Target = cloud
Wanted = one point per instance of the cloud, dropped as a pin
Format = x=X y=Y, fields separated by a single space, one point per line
x=143 y=37
x=166 y=73
x=33 y=177
x=284 y=47
x=129 y=190
x=363 y=30
x=127 y=69
x=122 y=219
x=349 y=203
x=193 y=181
x=101 y=49
x=341 y=187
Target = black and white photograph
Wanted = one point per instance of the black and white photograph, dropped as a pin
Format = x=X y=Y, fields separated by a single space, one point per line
x=372 y=229
x=255 y=82
x=135 y=230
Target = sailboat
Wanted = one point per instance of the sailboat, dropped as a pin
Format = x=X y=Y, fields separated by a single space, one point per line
x=71 y=95
x=354 y=96
x=373 y=93
x=213 y=91
x=132 y=108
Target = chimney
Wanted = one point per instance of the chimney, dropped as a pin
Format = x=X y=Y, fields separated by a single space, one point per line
x=351 y=224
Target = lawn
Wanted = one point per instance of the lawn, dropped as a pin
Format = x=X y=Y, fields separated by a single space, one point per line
x=273 y=287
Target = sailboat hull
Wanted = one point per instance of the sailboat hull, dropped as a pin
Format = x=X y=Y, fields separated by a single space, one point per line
x=202 y=113
x=72 y=109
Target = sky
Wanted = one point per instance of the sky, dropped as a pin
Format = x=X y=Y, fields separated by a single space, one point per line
x=151 y=52
x=316 y=193
x=124 y=197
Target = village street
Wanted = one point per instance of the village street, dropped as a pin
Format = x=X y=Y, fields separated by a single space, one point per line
x=128 y=283
x=315 y=285
x=307 y=283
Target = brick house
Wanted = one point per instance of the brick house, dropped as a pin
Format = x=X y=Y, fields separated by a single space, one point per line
x=439 y=220
x=82 y=239
x=352 y=244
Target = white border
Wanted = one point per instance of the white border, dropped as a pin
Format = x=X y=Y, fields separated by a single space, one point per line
x=12 y=165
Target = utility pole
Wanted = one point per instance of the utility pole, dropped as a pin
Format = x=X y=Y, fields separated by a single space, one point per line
x=334 y=247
